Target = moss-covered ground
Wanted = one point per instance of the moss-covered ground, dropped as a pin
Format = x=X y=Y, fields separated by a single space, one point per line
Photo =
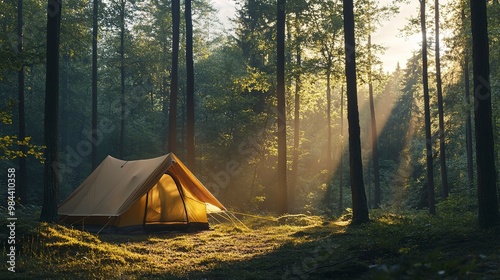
x=410 y=245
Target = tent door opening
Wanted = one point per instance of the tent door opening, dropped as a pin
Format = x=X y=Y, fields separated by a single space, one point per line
x=165 y=205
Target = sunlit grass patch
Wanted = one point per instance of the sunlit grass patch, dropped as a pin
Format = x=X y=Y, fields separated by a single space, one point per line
x=66 y=240
x=269 y=247
x=60 y=251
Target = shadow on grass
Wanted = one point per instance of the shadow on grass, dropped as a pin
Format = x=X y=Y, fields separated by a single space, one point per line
x=389 y=247
x=324 y=253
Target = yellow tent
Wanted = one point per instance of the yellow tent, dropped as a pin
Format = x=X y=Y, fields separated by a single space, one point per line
x=152 y=194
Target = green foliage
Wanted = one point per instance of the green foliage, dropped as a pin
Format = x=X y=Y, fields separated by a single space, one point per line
x=5 y=113
x=9 y=143
x=255 y=80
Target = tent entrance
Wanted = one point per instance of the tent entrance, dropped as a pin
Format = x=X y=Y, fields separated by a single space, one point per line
x=165 y=205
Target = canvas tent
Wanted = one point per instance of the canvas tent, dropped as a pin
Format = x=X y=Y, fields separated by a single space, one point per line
x=151 y=194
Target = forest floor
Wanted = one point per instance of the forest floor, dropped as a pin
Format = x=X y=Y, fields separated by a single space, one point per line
x=412 y=245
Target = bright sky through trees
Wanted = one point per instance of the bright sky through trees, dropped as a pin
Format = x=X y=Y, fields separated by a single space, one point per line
x=226 y=9
x=399 y=48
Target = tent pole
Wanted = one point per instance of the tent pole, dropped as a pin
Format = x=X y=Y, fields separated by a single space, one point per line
x=181 y=194
x=145 y=212
x=109 y=220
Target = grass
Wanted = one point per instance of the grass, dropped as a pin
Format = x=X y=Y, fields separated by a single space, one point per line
x=411 y=245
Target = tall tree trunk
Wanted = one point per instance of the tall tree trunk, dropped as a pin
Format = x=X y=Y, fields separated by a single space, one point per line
x=296 y=131
x=468 y=121
x=328 y=120
x=359 y=206
x=375 y=159
x=341 y=160
x=369 y=200
x=64 y=103
x=121 y=151
x=190 y=87
x=282 y=196
x=165 y=101
x=174 y=76
x=488 y=213
x=329 y=161
x=428 y=139
x=442 y=146
x=23 y=192
x=51 y=180
x=94 y=83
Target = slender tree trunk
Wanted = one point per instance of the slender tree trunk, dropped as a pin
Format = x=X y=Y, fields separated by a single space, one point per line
x=174 y=76
x=122 y=80
x=328 y=121
x=375 y=159
x=165 y=94
x=359 y=204
x=64 y=103
x=51 y=180
x=468 y=121
x=21 y=179
x=442 y=146
x=428 y=140
x=296 y=131
x=369 y=189
x=341 y=160
x=329 y=161
x=282 y=196
x=190 y=87
x=485 y=148
x=94 y=83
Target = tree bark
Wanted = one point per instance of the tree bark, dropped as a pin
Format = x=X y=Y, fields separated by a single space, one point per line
x=64 y=102
x=442 y=146
x=375 y=159
x=341 y=160
x=329 y=120
x=121 y=148
x=21 y=185
x=468 y=120
x=296 y=130
x=94 y=83
x=488 y=214
x=51 y=180
x=359 y=204
x=282 y=196
x=190 y=87
x=174 y=77
x=428 y=140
